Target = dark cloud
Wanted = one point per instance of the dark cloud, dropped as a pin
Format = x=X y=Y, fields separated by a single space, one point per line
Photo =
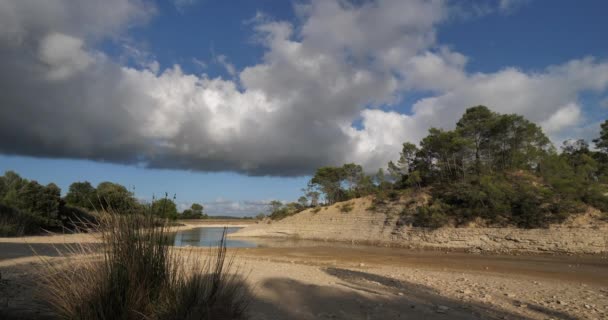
x=287 y=115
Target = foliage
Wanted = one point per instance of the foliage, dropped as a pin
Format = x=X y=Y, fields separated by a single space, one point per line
x=602 y=141
x=280 y=211
x=195 y=212
x=500 y=168
x=260 y=216
x=14 y=222
x=433 y=216
x=164 y=208
x=83 y=195
x=29 y=207
x=115 y=197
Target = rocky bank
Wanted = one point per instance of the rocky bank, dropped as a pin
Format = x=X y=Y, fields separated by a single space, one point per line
x=357 y=221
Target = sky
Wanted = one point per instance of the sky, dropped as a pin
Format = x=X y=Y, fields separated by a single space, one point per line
x=235 y=103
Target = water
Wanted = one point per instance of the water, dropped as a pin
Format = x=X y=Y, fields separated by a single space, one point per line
x=209 y=237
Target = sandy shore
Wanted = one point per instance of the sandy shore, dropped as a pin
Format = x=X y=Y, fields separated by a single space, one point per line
x=95 y=237
x=384 y=283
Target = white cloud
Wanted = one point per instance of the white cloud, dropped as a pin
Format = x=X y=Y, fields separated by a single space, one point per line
x=235 y=208
x=223 y=61
x=286 y=115
x=563 y=118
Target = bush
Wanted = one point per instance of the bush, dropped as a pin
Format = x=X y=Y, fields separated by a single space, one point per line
x=14 y=223
x=138 y=276
x=431 y=216
x=346 y=207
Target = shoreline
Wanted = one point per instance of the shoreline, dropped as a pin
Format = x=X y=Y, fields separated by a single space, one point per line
x=64 y=238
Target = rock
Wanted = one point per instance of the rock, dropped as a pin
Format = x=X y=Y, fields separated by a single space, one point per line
x=442 y=309
x=510 y=295
x=587 y=306
x=563 y=303
x=400 y=293
x=362 y=264
x=521 y=304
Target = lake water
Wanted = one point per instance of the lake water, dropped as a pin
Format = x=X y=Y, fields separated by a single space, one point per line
x=209 y=237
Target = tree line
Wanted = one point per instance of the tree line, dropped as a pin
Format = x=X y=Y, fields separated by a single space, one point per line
x=28 y=207
x=500 y=168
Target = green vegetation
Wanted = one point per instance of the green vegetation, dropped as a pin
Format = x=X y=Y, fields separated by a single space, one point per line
x=497 y=168
x=195 y=212
x=139 y=277
x=346 y=207
x=278 y=210
x=27 y=207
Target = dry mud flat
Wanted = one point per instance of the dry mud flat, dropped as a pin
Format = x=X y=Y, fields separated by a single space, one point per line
x=370 y=283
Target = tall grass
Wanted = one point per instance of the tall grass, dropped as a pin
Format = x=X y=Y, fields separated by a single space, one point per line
x=134 y=274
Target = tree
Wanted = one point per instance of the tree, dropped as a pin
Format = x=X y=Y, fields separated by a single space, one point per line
x=602 y=141
x=476 y=126
x=442 y=156
x=303 y=201
x=329 y=180
x=197 y=208
x=12 y=183
x=517 y=143
x=352 y=174
x=42 y=201
x=164 y=208
x=275 y=205
x=405 y=165
x=113 y=196
x=83 y=195
x=194 y=212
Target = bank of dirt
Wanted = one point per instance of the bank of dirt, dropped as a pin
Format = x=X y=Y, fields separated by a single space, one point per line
x=359 y=221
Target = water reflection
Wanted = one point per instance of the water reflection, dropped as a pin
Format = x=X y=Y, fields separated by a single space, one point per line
x=208 y=237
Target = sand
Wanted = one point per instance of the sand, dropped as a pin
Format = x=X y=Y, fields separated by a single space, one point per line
x=332 y=282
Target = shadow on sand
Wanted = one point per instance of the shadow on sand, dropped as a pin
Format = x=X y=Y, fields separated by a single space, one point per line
x=369 y=296
x=353 y=295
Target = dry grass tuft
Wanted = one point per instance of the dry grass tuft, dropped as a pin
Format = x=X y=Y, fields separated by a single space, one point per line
x=134 y=274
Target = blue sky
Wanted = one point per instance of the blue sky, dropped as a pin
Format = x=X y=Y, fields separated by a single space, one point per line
x=210 y=59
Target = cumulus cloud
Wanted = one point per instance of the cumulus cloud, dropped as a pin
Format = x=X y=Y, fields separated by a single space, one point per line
x=295 y=110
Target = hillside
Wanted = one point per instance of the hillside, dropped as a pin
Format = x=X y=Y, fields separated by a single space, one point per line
x=584 y=233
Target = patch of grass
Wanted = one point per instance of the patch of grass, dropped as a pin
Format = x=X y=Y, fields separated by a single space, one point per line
x=137 y=276
x=316 y=210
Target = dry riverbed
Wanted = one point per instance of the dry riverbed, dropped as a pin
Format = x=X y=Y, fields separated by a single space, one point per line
x=332 y=282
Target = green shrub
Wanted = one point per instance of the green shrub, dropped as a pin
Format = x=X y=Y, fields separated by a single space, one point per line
x=346 y=207
x=431 y=216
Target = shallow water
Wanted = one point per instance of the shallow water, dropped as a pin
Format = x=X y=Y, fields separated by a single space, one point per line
x=209 y=237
